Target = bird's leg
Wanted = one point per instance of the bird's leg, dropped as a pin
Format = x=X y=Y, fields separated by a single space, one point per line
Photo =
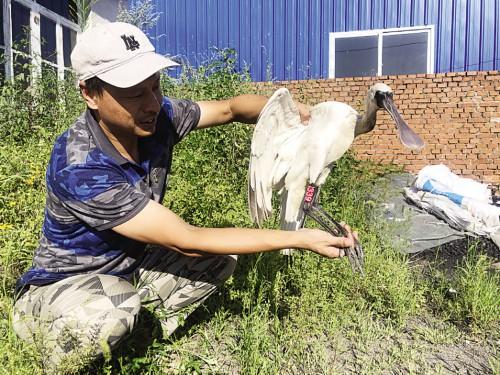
x=355 y=253
x=317 y=213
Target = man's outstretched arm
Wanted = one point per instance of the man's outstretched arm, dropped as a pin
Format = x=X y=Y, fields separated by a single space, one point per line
x=158 y=225
x=243 y=108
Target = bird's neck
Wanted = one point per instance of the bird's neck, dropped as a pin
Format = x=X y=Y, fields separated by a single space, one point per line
x=366 y=123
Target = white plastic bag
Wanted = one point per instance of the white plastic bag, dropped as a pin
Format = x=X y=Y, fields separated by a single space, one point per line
x=463 y=203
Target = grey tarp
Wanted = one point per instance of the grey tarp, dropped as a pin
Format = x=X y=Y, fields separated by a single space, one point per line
x=412 y=229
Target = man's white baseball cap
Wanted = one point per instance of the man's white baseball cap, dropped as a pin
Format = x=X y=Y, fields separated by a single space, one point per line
x=118 y=53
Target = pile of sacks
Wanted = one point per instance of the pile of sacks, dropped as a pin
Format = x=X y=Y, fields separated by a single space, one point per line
x=464 y=204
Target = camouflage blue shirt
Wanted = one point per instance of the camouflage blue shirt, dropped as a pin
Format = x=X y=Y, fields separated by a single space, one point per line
x=92 y=188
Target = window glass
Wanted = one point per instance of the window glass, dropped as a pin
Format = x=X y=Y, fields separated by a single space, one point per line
x=69 y=75
x=21 y=65
x=20 y=27
x=48 y=39
x=2 y=42
x=57 y=6
x=404 y=53
x=356 y=56
x=69 y=41
x=2 y=66
x=73 y=14
x=48 y=70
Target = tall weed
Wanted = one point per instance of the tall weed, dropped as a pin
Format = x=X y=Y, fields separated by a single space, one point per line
x=470 y=295
x=208 y=180
x=34 y=113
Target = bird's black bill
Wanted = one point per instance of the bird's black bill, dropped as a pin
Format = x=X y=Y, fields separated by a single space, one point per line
x=407 y=136
x=355 y=254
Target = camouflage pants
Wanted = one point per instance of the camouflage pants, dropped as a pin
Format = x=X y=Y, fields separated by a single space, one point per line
x=93 y=312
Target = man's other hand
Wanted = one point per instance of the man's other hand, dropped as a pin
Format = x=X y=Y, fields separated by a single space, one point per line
x=304 y=112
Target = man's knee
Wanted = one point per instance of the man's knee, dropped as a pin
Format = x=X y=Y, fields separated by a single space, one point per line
x=228 y=268
x=113 y=313
x=85 y=310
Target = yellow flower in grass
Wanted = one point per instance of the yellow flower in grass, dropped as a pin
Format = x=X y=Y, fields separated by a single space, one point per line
x=5 y=226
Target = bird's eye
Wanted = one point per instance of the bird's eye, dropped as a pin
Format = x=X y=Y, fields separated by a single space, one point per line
x=379 y=98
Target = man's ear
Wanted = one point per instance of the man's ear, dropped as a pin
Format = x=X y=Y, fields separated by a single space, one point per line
x=89 y=99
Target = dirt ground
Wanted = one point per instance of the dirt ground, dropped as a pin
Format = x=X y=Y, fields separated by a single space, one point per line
x=469 y=354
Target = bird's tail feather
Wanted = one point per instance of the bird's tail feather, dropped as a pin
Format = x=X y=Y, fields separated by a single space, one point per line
x=289 y=225
x=260 y=209
x=252 y=204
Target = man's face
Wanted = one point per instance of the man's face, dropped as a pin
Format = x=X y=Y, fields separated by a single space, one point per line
x=130 y=111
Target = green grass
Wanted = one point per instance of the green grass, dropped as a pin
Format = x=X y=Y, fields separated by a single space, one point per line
x=470 y=296
x=273 y=316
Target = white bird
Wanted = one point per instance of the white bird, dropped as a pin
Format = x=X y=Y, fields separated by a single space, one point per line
x=287 y=155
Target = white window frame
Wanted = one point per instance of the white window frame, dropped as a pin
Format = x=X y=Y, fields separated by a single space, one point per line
x=379 y=33
x=36 y=10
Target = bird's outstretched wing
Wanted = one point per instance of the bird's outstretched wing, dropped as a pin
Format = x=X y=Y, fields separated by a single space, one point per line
x=274 y=145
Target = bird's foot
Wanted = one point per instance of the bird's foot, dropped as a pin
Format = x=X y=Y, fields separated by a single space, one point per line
x=355 y=253
x=356 y=256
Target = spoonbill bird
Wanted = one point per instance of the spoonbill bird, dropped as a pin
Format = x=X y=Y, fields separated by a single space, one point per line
x=288 y=156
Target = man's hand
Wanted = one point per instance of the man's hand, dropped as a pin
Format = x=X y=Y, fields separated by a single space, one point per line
x=304 y=112
x=325 y=244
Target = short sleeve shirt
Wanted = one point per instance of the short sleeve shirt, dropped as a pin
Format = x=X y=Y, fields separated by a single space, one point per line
x=92 y=188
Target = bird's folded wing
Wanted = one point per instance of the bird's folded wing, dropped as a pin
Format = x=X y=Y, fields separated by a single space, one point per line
x=270 y=159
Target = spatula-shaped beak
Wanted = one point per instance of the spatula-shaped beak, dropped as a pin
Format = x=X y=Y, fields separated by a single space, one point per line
x=407 y=136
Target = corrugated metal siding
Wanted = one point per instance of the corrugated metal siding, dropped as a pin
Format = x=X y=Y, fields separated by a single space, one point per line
x=288 y=39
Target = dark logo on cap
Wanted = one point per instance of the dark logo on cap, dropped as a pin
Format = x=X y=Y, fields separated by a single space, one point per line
x=130 y=42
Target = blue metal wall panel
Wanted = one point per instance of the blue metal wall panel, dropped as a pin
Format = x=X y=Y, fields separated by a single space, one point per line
x=459 y=21
x=364 y=15
x=417 y=9
x=245 y=46
x=351 y=15
x=291 y=47
x=192 y=36
x=338 y=15
x=378 y=14
x=277 y=31
x=256 y=46
x=487 y=34
x=391 y=14
x=315 y=38
x=201 y=33
x=181 y=36
x=496 y=56
x=303 y=39
x=326 y=26
x=267 y=37
x=472 y=41
x=234 y=25
x=289 y=39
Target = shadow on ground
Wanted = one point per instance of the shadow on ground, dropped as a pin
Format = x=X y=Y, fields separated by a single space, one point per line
x=449 y=256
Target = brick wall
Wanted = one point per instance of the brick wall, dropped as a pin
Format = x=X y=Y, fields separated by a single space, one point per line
x=456 y=114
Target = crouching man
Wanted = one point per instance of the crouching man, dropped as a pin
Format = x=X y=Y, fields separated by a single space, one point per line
x=105 y=183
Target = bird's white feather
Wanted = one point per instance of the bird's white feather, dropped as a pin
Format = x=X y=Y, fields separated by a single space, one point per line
x=274 y=139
